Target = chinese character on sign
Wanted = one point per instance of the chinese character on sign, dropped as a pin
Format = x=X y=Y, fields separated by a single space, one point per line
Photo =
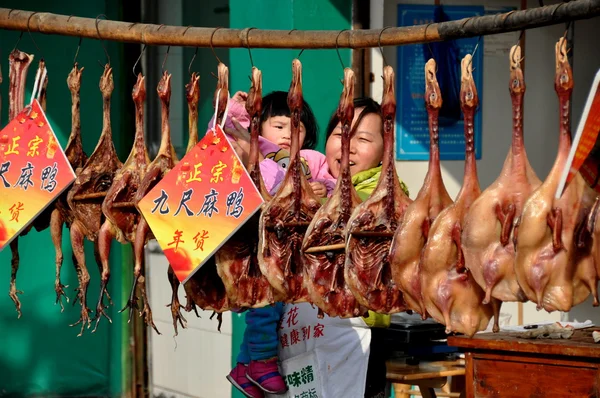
x=177 y=239
x=12 y=148
x=292 y=316
x=49 y=177
x=209 y=206
x=161 y=203
x=294 y=379
x=195 y=176
x=216 y=171
x=306 y=374
x=318 y=330
x=234 y=203
x=312 y=393
x=34 y=146
x=283 y=339
x=25 y=179
x=14 y=211
x=4 y=169
x=294 y=337
x=199 y=240
x=185 y=196
x=305 y=332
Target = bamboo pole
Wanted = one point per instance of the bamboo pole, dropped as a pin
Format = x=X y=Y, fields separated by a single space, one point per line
x=49 y=23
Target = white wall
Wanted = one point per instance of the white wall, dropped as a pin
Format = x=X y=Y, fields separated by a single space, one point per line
x=195 y=363
x=541 y=109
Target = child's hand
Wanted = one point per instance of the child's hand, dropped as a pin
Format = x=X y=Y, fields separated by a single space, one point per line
x=319 y=189
x=242 y=140
x=240 y=97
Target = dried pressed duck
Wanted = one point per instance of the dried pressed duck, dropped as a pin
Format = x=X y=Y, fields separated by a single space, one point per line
x=118 y=207
x=87 y=194
x=324 y=271
x=373 y=223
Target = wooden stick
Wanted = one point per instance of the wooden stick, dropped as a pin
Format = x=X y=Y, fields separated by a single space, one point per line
x=49 y=23
x=372 y=234
x=88 y=196
x=124 y=204
x=326 y=248
x=291 y=224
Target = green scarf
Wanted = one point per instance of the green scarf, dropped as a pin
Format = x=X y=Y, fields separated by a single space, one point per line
x=366 y=181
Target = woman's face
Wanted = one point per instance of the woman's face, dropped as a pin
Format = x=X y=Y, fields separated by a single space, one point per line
x=366 y=145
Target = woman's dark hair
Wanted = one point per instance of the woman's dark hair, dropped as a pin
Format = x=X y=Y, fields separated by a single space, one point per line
x=275 y=104
x=369 y=105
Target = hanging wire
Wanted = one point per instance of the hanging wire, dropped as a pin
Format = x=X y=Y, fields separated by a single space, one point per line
x=102 y=40
x=429 y=47
x=474 y=51
x=192 y=61
x=18 y=40
x=381 y=48
x=518 y=43
x=165 y=60
x=31 y=37
x=211 y=44
x=77 y=52
x=248 y=45
x=138 y=60
x=213 y=50
x=337 y=49
x=301 y=51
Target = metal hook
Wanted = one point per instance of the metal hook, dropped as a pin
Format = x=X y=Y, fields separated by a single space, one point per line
x=338 y=49
x=518 y=43
x=100 y=38
x=193 y=58
x=429 y=46
x=77 y=52
x=301 y=51
x=567 y=29
x=248 y=45
x=165 y=60
x=474 y=51
x=18 y=40
x=381 y=48
x=211 y=44
x=30 y=36
x=138 y=60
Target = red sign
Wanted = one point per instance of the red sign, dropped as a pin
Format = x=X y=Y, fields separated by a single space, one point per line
x=200 y=204
x=33 y=171
x=585 y=152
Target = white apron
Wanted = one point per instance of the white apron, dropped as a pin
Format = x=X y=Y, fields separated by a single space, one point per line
x=322 y=358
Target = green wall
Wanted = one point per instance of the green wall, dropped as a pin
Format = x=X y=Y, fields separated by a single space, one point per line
x=322 y=71
x=40 y=354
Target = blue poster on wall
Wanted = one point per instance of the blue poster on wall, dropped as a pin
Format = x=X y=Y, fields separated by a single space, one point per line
x=412 y=141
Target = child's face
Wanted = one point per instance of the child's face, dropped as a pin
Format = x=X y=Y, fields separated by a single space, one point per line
x=277 y=129
x=366 y=145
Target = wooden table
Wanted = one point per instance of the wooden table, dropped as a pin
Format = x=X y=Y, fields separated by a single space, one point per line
x=425 y=375
x=506 y=365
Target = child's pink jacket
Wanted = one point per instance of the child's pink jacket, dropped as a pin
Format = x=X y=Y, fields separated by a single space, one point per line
x=274 y=166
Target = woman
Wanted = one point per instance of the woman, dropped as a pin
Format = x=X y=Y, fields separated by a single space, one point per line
x=338 y=350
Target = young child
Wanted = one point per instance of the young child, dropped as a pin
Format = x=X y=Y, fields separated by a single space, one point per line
x=257 y=370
